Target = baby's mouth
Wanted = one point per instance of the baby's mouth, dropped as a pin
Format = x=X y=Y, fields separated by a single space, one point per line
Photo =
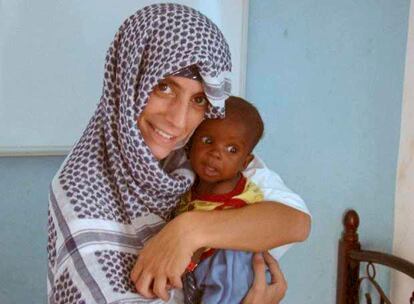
x=210 y=170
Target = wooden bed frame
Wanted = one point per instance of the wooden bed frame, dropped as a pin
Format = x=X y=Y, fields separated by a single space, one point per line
x=350 y=256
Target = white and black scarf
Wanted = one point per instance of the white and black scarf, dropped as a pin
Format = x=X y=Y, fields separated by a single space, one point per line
x=111 y=194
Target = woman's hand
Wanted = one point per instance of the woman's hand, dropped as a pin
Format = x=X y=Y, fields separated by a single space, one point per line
x=261 y=292
x=164 y=259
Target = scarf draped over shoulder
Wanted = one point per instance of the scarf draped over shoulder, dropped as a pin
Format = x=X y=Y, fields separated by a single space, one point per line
x=111 y=194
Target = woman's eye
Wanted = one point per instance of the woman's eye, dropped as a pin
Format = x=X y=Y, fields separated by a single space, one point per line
x=206 y=140
x=231 y=149
x=201 y=100
x=164 y=87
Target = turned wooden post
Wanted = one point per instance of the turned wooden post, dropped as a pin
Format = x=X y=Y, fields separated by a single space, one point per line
x=348 y=270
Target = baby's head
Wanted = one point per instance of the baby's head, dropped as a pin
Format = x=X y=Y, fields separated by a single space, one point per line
x=221 y=148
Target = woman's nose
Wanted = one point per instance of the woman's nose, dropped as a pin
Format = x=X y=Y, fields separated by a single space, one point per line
x=177 y=114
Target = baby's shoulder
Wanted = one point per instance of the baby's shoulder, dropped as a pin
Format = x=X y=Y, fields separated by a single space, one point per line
x=251 y=193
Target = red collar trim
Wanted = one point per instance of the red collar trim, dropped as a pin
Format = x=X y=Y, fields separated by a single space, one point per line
x=221 y=198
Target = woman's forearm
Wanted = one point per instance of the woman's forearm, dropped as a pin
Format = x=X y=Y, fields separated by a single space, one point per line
x=257 y=227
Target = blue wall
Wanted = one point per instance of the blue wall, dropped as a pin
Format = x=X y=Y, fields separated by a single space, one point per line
x=24 y=184
x=327 y=76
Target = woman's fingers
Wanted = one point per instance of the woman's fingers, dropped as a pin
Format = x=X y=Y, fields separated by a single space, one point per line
x=259 y=282
x=136 y=270
x=144 y=286
x=274 y=268
x=276 y=273
x=162 y=260
x=261 y=292
x=160 y=288
x=176 y=282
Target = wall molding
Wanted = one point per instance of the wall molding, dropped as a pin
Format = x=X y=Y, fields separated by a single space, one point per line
x=23 y=151
x=403 y=239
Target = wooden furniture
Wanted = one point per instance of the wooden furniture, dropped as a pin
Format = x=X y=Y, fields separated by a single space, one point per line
x=350 y=258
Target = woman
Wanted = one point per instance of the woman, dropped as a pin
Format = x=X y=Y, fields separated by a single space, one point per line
x=165 y=71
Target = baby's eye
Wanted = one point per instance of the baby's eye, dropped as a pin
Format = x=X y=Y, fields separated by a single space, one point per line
x=201 y=100
x=232 y=149
x=206 y=140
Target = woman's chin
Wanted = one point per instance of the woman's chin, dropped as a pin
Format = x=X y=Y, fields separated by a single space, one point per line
x=160 y=152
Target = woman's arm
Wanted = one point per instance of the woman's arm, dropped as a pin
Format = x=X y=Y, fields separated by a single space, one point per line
x=255 y=228
x=258 y=227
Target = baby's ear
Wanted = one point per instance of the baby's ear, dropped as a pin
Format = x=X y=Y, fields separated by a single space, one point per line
x=247 y=161
x=187 y=148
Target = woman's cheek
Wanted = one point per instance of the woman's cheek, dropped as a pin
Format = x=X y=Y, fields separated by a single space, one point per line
x=198 y=118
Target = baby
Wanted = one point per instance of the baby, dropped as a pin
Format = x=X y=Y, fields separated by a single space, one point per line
x=220 y=150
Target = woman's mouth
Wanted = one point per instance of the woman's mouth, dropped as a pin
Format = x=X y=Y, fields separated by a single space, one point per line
x=162 y=135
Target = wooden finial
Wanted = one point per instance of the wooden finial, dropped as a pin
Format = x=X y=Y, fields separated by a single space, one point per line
x=351 y=220
x=351 y=224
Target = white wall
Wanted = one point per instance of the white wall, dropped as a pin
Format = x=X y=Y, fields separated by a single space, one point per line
x=51 y=64
x=402 y=286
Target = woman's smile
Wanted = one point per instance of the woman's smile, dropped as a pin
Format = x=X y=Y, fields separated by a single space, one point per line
x=163 y=135
x=158 y=138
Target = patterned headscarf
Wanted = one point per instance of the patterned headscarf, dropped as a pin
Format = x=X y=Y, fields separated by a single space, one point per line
x=111 y=173
x=111 y=194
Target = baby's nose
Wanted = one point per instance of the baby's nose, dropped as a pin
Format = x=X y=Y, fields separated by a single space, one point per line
x=215 y=153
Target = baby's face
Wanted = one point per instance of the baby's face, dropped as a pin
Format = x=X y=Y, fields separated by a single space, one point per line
x=220 y=149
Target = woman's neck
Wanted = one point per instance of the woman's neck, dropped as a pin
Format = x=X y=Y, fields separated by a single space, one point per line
x=219 y=187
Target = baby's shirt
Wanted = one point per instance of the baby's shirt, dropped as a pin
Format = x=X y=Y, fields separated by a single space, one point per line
x=245 y=192
x=208 y=284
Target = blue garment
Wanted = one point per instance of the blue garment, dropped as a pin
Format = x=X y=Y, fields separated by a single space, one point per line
x=225 y=277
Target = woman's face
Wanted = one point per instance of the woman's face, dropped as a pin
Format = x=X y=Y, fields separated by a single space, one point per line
x=175 y=108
